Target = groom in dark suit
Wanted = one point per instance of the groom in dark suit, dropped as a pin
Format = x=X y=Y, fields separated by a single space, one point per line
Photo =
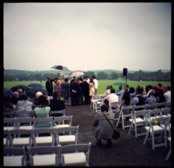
x=49 y=85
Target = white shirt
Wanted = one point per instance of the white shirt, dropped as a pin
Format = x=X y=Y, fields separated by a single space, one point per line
x=111 y=98
x=167 y=96
x=96 y=83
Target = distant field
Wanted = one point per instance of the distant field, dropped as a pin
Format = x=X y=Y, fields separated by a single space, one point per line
x=102 y=84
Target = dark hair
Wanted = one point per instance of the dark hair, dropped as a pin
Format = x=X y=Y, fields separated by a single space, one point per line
x=131 y=90
x=120 y=87
x=160 y=85
x=112 y=90
x=104 y=107
x=23 y=96
x=126 y=97
x=42 y=100
x=55 y=95
x=66 y=80
x=139 y=90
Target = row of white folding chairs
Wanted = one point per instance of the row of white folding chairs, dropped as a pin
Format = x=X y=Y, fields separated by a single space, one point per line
x=25 y=113
x=69 y=155
x=41 y=136
x=96 y=103
x=143 y=118
x=126 y=111
x=30 y=123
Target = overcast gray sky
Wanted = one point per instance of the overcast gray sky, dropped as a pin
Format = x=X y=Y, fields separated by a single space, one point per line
x=87 y=36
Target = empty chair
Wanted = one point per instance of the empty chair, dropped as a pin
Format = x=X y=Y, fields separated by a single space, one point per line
x=9 y=124
x=139 y=119
x=66 y=135
x=63 y=121
x=43 y=156
x=24 y=123
x=43 y=137
x=20 y=137
x=14 y=156
x=125 y=113
x=157 y=129
x=75 y=155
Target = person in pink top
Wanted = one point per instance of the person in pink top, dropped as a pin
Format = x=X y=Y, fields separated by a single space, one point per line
x=111 y=97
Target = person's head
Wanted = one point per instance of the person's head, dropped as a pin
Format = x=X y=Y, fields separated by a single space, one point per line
x=16 y=94
x=108 y=87
x=38 y=94
x=93 y=77
x=42 y=100
x=112 y=90
x=49 y=77
x=153 y=92
x=160 y=85
x=23 y=96
x=127 y=97
x=120 y=87
x=168 y=88
x=91 y=80
x=105 y=108
x=139 y=90
x=55 y=95
x=20 y=91
x=126 y=87
x=66 y=79
x=131 y=90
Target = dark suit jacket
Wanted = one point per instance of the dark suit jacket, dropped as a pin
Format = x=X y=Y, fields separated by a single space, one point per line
x=57 y=105
x=49 y=85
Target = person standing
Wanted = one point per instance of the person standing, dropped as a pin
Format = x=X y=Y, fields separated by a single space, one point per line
x=65 y=91
x=49 y=86
x=85 y=90
x=96 y=84
x=91 y=88
x=74 y=92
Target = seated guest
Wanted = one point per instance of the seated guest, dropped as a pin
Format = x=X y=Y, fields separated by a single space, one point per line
x=102 y=128
x=141 y=99
x=35 y=101
x=126 y=100
x=15 y=98
x=111 y=98
x=151 y=99
x=23 y=103
x=42 y=111
x=108 y=90
x=56 y=104
x=167 y=94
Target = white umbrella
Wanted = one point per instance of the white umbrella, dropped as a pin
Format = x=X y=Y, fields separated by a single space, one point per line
x=76 y=74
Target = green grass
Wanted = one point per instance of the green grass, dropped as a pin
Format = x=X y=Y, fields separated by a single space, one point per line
x=101 y=86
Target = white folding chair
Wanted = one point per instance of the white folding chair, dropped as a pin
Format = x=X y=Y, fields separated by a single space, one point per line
x=63 y=121
x=14 y=156
x=20 y=137
x=157 y=129
x=113 y=107
x=24 y=113
x=24 y=123
x=66 y=135
x=139 y=119
x=75 y=155
x=9 y=124
x=6 y=139
x=169 y=153
x=125 y=112
x=43 y=156
x=43 y=137
x=45 y=122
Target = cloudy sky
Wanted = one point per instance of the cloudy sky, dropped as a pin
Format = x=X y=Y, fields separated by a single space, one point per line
x=87 y=36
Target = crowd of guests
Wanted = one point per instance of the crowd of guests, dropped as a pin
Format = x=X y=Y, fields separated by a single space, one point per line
x=77 y=91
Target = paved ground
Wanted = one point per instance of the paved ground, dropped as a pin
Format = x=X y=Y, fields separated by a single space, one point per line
x=126 y=151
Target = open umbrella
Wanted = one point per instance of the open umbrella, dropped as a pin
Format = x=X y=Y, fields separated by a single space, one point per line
x=7 y=92
x=61 y=68
x=35 y=85
x=77 y=74
x=23 y=87
x=32 y=92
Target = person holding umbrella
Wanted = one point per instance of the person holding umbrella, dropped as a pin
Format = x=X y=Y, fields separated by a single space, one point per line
x=49 y=85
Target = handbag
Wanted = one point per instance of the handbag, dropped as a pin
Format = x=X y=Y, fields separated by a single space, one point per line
x=115 y=134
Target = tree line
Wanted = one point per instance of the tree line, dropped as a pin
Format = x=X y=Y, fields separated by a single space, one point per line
x=101 y=75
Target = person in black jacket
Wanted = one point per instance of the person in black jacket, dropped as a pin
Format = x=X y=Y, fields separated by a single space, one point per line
x=56 y=104
x=49 y=85
x=85 y=91
x=74 y=89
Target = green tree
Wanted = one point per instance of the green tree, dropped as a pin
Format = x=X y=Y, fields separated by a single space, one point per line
x=102 y=75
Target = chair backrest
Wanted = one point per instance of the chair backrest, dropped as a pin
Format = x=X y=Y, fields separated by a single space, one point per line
x=20 y=132
x=37 y=131
x=70 y=130
x=63 y=119
x=9 y=122
x=155 y=112
x=8 y=114
x=22 y=120
x=140 y=107
x=24 y=113
x=127 y=110
x=39 y=121
x=58 y=112
x=166 y=110
x=13 y=151
x=42 y=150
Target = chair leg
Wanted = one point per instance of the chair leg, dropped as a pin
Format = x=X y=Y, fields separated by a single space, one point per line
x=123 y=122
x=118 y=119
x=169 y=153
x=153 y=142
x=130 y=129
x=145 y=140
x=135 y=131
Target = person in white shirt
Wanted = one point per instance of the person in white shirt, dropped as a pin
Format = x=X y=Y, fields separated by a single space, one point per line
x=111 y=97
x=167 y=95
x=96 y=84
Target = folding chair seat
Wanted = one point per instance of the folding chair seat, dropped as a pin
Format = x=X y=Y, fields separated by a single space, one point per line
x=75 y=155
x=157 y=129
x=20 y=137
x=45 y=122
x=139 y=119
x=14 y=156
x=66 y=135
x=43 y=137
x=125 y=113
x=9 y=124
x=57 y=112
x=24 y=123
x=63 y=121
x=43 y=156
